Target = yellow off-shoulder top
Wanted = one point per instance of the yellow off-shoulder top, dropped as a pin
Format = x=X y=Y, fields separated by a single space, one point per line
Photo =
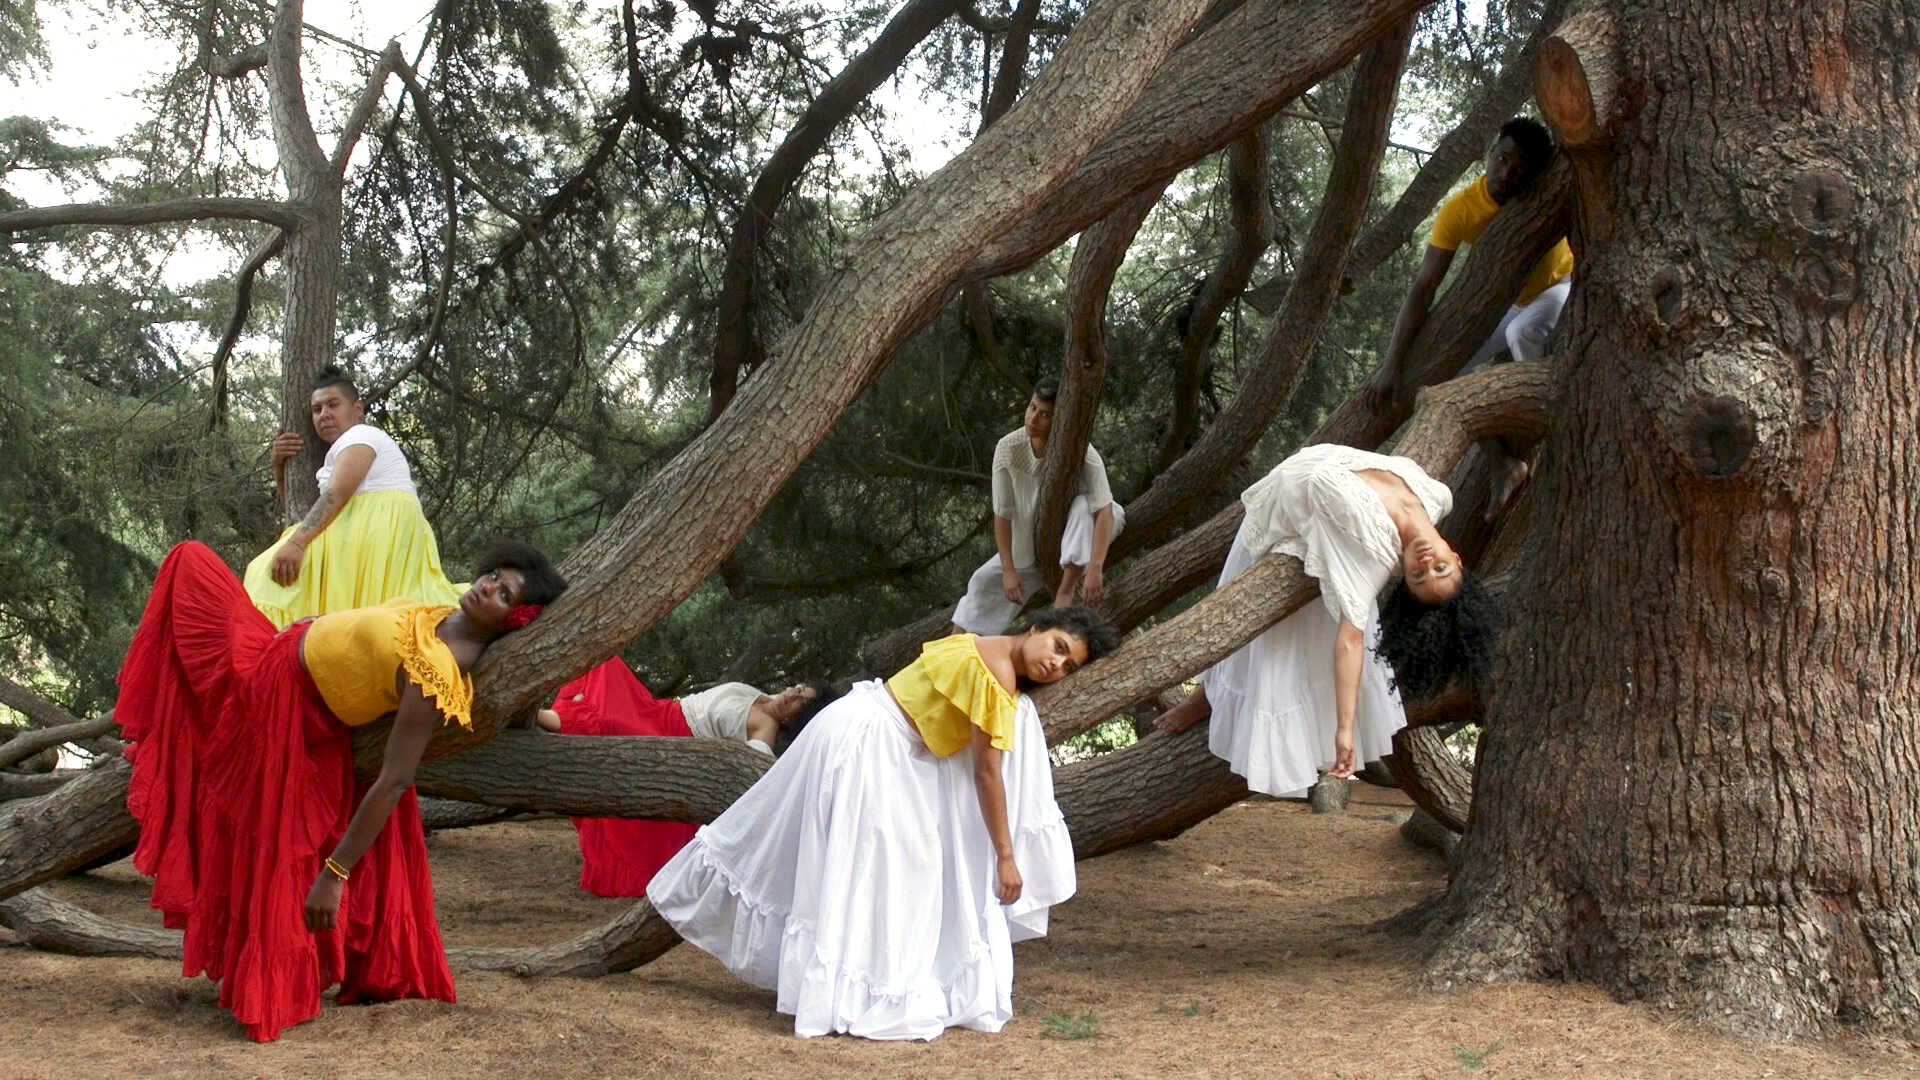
x=949 y=691
x=352 y=656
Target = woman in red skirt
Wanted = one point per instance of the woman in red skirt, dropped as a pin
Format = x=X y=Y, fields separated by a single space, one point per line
x=286 y=872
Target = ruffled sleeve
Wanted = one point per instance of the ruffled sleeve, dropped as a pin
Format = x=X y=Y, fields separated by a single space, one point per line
x=948 y=691
x=430 y=665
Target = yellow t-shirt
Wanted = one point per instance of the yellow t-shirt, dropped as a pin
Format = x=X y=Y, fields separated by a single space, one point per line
x=949 y=691
x=1464 y=217
x=352 y=656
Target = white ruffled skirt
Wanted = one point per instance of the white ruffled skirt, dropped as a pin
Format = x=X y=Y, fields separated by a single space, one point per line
x=1273 y=705
x=855 y=879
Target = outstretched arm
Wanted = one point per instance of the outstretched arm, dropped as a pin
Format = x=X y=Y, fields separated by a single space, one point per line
x=1349 y=652
x=1385 y=387
x=413 y=724
x=348 y=471
x=1003 y=543
x=1093 y=583
x=987 y=784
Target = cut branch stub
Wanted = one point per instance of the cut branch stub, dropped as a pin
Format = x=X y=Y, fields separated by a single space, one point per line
x=1576 y=80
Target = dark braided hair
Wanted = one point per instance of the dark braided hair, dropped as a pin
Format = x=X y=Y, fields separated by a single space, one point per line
x=1431 y=647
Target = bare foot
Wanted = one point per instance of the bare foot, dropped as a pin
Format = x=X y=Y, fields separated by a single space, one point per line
x=1509 y=475
x=1185 y=715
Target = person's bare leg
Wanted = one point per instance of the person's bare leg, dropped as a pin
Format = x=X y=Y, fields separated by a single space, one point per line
x=1069 y=585
x=1506 y=475
x=1187 y=713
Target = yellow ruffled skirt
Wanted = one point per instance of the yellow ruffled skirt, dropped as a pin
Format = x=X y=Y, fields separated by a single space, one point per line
x=378 y=549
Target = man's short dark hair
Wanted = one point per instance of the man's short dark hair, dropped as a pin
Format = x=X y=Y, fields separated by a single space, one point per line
x=1532 y=138
x=1047 y=389
x=334 y=375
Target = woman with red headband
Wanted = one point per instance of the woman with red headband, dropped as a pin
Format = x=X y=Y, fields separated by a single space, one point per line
x=287 y=873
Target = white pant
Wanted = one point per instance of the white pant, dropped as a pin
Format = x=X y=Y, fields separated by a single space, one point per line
x=986 y=610
x=1523 y=330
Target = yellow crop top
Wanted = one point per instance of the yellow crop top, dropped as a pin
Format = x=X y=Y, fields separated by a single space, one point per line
x=352 y=656
x=948 y=691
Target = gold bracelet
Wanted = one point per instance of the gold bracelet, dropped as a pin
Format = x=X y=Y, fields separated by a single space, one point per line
x=336 y=869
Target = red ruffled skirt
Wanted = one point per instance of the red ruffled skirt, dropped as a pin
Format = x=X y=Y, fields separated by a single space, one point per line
x=620 y=855
x=242 y=784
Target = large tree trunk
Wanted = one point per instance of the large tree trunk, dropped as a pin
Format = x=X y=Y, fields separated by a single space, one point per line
x=1700 y=783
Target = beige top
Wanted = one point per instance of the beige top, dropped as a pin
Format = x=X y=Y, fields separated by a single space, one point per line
x=1016 y=489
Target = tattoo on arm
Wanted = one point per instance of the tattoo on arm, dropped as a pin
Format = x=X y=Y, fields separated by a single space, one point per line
x=317 y=517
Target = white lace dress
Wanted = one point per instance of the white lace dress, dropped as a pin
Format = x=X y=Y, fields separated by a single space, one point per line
x=855 y=879
x=1273 y=700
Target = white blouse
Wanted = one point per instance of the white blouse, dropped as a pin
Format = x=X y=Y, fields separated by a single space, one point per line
x=1313 y=507
x=389 y=471
x=1016 y=488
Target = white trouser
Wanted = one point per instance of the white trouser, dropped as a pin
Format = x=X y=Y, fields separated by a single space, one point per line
x=1524 y=328
x=986 y=610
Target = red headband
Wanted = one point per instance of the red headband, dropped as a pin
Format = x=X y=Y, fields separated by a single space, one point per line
x=522 y=615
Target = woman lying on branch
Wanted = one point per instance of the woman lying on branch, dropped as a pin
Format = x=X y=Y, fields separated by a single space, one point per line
x=1308 y=693
x=286 y=872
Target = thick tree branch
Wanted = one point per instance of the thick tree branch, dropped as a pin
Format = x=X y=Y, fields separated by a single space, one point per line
x=35 y=708
x=163 y=212
x=735 y=345
x=1456 y=152
x=1228 y=81
x=363 y=106
x=250 y=59
x=56 y=834
x=1510 y=399
x=1097 y=256
x=45 y=922
x=28 y=743
x=1249 y=231
x=1264 y=393
x=893 y=281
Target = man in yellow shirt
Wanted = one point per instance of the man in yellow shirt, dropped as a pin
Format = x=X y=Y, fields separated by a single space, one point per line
x=1518 y=156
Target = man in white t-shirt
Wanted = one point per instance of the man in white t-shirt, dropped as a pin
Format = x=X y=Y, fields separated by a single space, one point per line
x=996 y=591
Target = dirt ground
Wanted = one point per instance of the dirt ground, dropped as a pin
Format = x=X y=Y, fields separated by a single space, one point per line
x=1239 y=949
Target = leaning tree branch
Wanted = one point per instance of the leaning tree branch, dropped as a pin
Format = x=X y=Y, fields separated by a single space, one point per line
x=895 y=278
x=26 y=744
x=35 y=708
x=1097 y=256
x=56 y=834
x=161 y=212
x=1249 y=231
x=237 y=323
x=734 y=344
x=363 y=106
x=1228 y=81
x=1264 y=393
x=1456 y=151
x=1510 y=399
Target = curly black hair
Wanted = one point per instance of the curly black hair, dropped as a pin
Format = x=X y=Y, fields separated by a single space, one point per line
x=1532 y=138
x=541 y=583
x=1431 y=647
x=824 y=694
x=1083 y=623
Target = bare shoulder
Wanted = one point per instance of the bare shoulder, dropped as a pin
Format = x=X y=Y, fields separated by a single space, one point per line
x=997 y=654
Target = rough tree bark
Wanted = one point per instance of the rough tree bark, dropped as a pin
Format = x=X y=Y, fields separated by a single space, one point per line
x=1097 y=256
x=1275 y=373
x=1249 y=231
x=1699 y=785
x=735 y=344
x=896 y=277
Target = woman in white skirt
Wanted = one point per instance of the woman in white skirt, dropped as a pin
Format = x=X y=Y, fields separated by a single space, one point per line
x=878 y=875
x=1308 y=694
